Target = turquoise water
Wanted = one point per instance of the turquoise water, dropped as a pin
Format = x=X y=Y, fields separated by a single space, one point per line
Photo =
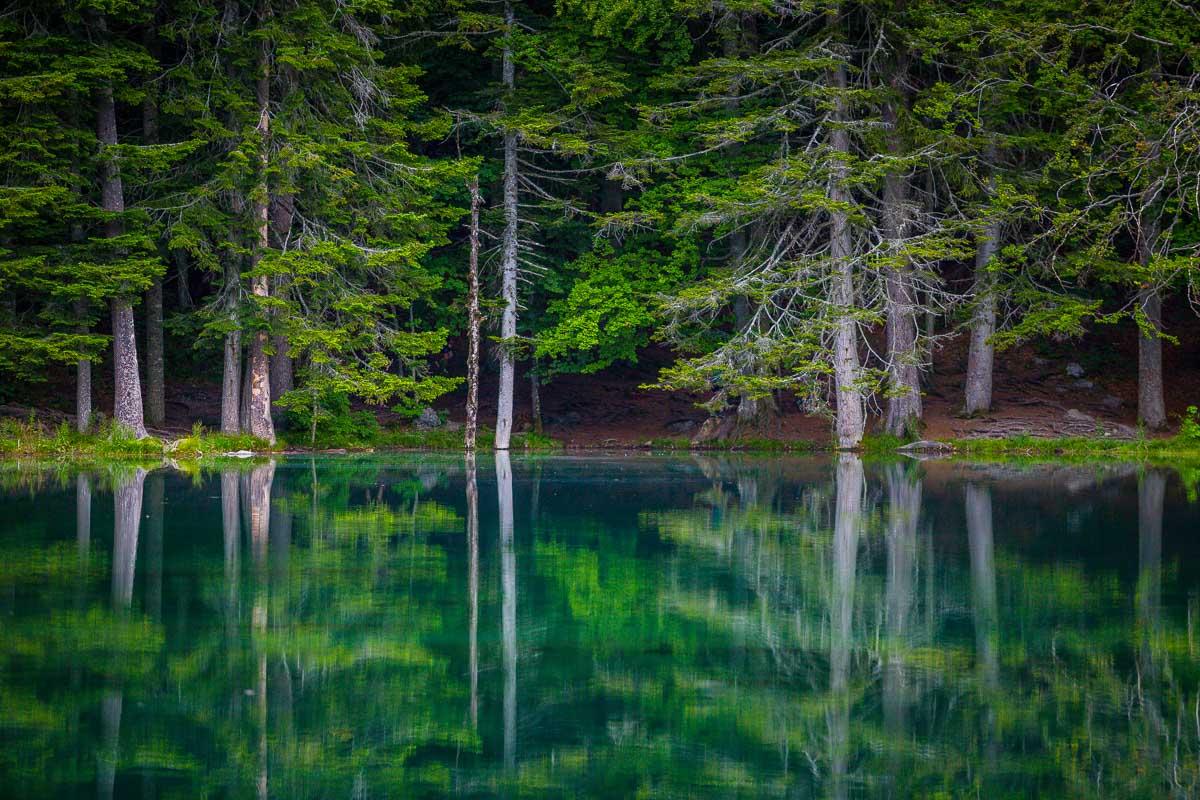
x=406 y=625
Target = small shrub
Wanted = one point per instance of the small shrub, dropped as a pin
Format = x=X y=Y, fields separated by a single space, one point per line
x=1189 y=429
x=329 y=422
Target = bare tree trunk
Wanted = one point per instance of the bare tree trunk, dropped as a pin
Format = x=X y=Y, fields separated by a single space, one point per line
x=980 y=358
x=535 y=398
x=850 y=422
x=508 y=262
x=127 y=392
x=156 y=404
x=904 y=403
x=156 y=408
x=259 y=421
x=1151 y=406
x=83 y=376
x=231 y=383
x=473 y=320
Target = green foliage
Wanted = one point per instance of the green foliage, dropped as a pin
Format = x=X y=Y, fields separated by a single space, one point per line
x=326 y=421
x=1189 y=427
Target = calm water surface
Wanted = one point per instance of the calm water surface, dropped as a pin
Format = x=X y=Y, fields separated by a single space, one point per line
x=408 y=625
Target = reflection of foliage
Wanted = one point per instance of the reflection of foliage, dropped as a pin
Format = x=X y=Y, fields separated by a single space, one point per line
x=680 y=648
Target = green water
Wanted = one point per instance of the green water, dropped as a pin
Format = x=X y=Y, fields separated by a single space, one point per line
x=405 y=626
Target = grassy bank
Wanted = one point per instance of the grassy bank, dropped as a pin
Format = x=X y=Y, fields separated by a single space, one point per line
x=29 y=439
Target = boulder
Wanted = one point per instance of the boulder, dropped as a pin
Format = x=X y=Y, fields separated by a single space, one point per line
x=1075 y=415
x=681 y=425
x=1111 y=402
x=927 y=446
x=428 y=420
x=1075 y=370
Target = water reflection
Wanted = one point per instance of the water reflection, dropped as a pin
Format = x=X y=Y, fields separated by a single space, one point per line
x=664 y=627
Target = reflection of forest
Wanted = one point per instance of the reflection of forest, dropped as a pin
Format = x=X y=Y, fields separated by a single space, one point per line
x=385 y=627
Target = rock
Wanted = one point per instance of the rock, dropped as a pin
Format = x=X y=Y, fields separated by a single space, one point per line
x=453 y=426
x=1075 y=370
x=927 y=446
x=1083 y=384
x=681 y=425
x=239 y=454
x=1124 y=431
x=1038 y=361
x=428 y=420
x=1111 y=402
x=1075 y=415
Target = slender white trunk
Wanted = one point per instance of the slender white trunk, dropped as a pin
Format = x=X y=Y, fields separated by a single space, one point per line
x=473 y=320
x=508 y=261
x=850 y=420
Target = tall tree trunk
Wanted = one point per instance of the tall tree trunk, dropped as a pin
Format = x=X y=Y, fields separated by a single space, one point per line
x=473 y=320
x=282 y=213
x=904 y=402
x=980 y=357
x=231 y=378
x=183 y=295
x=83 y=376
x=535 y=398
x=1151 y=407
x=850 y=420
x=508 y=261
x=259 y=421
x=156 y=408
x=127 y=392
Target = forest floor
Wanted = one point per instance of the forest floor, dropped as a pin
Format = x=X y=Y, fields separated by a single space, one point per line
x=1080 y=388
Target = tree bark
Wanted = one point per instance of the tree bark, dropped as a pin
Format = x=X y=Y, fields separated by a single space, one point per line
x=904 y=402
x=127 y=393
x=980 y=358
x=508 y=261
x=1152 y=411
x=850 y=422
x=156 y=408
x=535 y=399
x=83 y=376
x=259 y=422
x=473 y=320
x=231 y=381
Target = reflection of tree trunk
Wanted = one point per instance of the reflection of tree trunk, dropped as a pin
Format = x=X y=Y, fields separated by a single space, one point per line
x=1151 y=495
x=261 y=478
x=231 y=524
x=847 y=521
x=83 y=515
x=904 y=501
x=508 y=609
x=154 y=545
x=126 y=523
x=110 y=741
x=473 y=585
x=983 y=584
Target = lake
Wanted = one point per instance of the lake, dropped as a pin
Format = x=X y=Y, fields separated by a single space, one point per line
x=695 y=626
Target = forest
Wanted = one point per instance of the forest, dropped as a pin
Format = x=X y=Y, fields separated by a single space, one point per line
x=333 y=211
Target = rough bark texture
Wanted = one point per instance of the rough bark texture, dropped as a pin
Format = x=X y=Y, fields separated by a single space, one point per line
x=904 y=401
x=508 y=261
x=231 y=383
x=535 y=400
x=978 y=389
x=156 y=404
x=259 y=422
x=1152 y=410
x=127 y=391
x=83 y=377
x=473 y=321
x=850 y=418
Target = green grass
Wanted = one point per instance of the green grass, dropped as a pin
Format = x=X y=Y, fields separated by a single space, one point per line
x=1081 y=448
x=29 y=439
